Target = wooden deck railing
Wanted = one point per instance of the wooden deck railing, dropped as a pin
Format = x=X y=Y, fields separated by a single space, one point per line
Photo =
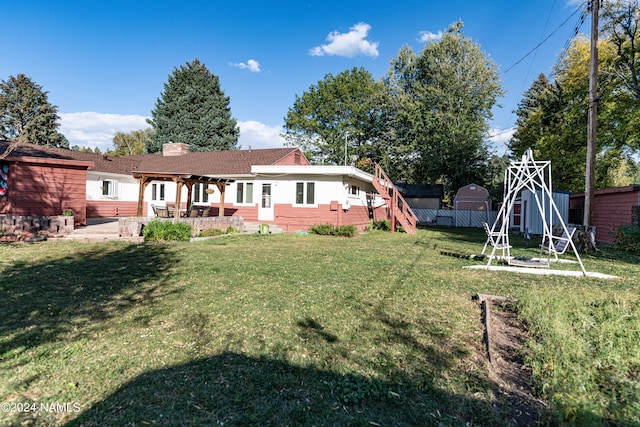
x=398 y=207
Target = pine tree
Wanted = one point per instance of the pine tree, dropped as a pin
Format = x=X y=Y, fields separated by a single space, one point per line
x=26 y=113
x=193 y=110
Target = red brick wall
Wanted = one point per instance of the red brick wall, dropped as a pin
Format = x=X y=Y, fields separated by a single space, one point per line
x=40 y=189
x=611 y=209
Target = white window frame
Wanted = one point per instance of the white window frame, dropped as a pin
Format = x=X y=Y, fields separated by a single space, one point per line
x=159 y=193
x=247 y=193
x=305 y=194
x=111 y=187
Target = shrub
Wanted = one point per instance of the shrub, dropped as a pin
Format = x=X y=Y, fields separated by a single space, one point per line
x=627 y=238
x=369 y=226
x=158 y=230
x=210 y=232
x=330 y=230
x=231 y=230
x=383 y=224
x=322 y=229
x=345 y=231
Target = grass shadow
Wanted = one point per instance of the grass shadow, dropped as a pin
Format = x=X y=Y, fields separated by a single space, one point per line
x=66 y=293
x=234 y=389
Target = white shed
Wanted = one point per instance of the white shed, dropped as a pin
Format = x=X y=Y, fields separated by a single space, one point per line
x=530 y=218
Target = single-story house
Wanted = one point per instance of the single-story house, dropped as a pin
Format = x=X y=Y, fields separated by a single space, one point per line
x=612 y=207
x=273 y=186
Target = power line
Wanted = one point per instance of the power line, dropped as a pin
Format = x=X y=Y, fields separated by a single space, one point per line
x=545 y=39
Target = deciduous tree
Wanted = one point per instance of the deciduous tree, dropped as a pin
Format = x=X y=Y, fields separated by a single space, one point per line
x=126 y=144
x=447 y=93
x=340 y=116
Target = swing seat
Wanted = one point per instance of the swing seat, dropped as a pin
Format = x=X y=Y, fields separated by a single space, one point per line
x=562 y=244
x=491 y=239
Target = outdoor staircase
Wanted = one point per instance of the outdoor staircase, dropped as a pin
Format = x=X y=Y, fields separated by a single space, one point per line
x=399 y=210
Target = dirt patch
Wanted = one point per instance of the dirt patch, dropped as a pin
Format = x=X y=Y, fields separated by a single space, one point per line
x=505 y=336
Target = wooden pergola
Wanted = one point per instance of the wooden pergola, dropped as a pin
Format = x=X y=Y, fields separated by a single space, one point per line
x=181 y=179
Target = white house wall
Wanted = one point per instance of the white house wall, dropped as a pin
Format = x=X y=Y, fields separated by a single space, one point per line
x=125 y=187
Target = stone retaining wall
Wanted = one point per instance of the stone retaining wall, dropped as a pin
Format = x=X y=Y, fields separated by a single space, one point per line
x=132 y=226
x=18 y=225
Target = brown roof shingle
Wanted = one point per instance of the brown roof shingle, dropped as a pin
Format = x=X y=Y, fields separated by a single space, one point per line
x=228 y=162
x=102 y=162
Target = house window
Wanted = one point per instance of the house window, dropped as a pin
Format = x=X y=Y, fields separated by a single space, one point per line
x=354 y=190
x=154 y=191
x=244 y=192
x=305 y=193
x=205 y=195
x=108 y=188
x=196 y=192
x=199 y=193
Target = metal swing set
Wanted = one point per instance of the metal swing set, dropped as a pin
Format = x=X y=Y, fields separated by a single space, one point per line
x=535 y=176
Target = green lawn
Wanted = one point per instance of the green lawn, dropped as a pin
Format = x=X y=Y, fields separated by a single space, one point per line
x=289 y=329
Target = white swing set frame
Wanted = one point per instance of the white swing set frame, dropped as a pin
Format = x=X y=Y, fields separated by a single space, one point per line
x=534 y=176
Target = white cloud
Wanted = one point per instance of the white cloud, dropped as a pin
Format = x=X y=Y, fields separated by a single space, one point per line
x=428 y=36
x=90 y=129
x=255 y=134
x=499 y=139
x=251 y=65
x=349 y=44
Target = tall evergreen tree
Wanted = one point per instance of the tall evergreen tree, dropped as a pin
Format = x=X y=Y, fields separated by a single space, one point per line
x=193 y=110
x=25 y=113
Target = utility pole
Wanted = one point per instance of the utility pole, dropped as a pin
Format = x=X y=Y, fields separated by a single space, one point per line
x=346 y=135
x=592 y=118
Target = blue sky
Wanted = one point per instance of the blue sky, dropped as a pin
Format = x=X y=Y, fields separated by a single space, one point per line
x=105 y=63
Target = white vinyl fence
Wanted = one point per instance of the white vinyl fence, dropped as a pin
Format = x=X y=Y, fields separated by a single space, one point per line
x=455 y=218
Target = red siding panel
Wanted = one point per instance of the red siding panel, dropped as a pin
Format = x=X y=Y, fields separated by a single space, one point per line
x=113 y=208
x=293 y=159
x=295 y=218
x=611 y=209
x=38 y=189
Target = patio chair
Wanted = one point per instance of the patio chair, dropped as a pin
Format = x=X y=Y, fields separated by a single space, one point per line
x=162 y=212
x=492 y=237
x=193 y=213
x=562 y=244
x=205 y=212
x=155 y=212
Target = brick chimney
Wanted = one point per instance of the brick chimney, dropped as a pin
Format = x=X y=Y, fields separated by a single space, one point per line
x=174 y=149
